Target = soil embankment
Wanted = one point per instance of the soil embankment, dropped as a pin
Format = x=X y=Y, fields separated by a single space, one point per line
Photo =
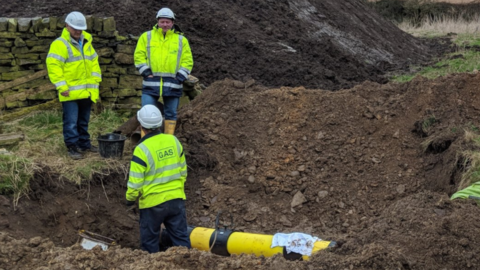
x=316 y=44
x=372 y=177
x=371 y=167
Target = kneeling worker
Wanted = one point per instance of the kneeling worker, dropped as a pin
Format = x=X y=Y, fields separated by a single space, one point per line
x=158 y=172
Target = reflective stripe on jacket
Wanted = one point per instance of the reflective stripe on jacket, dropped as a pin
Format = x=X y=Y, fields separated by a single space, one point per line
x=69 y=69
x=168 y=58
x=158 y=170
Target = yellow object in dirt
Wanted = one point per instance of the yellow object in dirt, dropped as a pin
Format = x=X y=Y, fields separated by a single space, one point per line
x=170 y=126
x=227 y=242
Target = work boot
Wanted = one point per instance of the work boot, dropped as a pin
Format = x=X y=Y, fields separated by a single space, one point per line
x=92 y=149
x=74 y=153
x=170 y=126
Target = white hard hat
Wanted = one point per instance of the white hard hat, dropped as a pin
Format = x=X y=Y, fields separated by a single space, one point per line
x=76 y=20
x=166 y=13
x=150 y=117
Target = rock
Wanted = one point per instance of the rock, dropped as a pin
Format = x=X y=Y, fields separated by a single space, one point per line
x=40 y=49
x=130 y=81
x=109 y=24
x=320 y=135
x=285 y=222
x=298 y=199
x=127 y=49
x=250 y=217
x=6 y=43
x=214 y=200
x=9 y=35
x=238 y=84
x=251 y=179
x=97 y=24
x=34 y=242
x=401 y=189
x=322 y=194
x=252 y=169
x=17 y=74
x=105 y=52
x=376 y=160
x=396 y=135
x=3 y=24
x=20 y=50
x=239 y=154
x=12 y=25
x=249 y=83
x=122 y=58
x=295 y=173
x=204 y=219
x=125 y=92
x=24 y=24
x=301 y=168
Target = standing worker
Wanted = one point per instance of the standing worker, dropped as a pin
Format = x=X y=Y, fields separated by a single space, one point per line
x=73 y=68
x=158 y=172
x=164 y=59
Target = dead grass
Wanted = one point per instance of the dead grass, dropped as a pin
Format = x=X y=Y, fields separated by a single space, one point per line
x=441 y=26
x=471 y=161
x=43 y=146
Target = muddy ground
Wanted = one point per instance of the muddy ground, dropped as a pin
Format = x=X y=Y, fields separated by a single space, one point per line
x=370 y=167
x=326 y=44
x=375 y=179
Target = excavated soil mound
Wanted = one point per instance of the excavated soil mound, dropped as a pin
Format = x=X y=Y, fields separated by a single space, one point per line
x=325 y=44
x=371 y=167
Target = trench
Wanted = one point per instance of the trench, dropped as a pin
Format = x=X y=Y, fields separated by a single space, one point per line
x=59 y=209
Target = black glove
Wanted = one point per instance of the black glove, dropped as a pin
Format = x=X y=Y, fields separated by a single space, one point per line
x=146 y=73
x=129 y=203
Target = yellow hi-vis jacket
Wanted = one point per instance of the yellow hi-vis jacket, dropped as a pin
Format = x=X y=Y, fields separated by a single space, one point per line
x=168 y=58
x=158 y=170
x=71 y=69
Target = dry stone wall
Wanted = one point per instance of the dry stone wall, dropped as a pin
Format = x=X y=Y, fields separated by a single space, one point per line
x=24 y=44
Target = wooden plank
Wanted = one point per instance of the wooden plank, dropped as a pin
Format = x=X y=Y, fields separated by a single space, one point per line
x=28 y=92
x=52 y=104
x=19 y=81
x=10 y=139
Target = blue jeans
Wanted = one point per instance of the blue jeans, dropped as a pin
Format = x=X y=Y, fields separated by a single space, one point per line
x=76 y=115
x=170 y=105
x=173 y=215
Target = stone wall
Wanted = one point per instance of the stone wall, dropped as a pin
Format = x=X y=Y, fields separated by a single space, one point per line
x=24 y=44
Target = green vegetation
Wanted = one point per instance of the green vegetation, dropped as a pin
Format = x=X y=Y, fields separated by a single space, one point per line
x=465 y=59
x=470 y=160
x=43 y=145
x=428 y=123
x=15 y=172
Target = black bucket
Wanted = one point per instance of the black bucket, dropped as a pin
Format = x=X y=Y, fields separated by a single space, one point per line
x=111 y=145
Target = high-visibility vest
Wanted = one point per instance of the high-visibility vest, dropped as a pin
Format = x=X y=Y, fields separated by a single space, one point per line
x=158 y=171
x=169 y=59
x=73 y=69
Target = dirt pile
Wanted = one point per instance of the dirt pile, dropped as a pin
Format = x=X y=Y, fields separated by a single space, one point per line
x=371 y=168
x=316 y=44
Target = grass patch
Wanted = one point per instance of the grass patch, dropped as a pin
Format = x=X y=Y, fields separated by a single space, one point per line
x=464 y=34
x=44 y=145
x=470 y=160
x=15 y=174
x=459 y=62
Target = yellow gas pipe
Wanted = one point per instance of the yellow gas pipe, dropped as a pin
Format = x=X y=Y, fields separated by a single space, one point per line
x=226 y=242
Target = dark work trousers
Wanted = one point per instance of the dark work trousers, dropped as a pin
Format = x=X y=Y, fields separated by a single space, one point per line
x=173 y=215
x=76 y=115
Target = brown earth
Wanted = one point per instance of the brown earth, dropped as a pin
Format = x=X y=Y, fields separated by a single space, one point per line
x=376 y=163
x=375 y=177
x=310 y=43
